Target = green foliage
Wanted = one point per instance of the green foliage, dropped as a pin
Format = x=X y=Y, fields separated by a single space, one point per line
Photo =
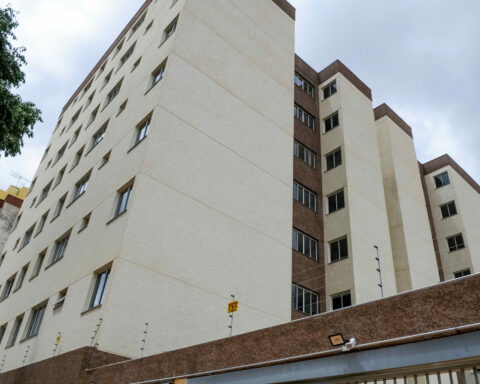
x=17 y=117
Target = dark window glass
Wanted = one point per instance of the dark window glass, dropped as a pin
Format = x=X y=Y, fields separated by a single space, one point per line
x=441 y=179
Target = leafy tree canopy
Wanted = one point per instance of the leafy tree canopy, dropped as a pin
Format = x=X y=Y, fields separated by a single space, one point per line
x=17 y=117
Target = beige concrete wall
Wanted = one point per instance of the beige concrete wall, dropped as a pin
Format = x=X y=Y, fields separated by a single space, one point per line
x=210 y=211
x=466 y=221
x=411 y=237
x=365 y=216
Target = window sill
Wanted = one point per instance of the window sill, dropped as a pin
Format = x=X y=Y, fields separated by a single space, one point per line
x=27 y=338
x=53 y=263
x=75 y=166
x=90 y=310
x=53 y=219
x=456 y=250
x=75 y=199
x=33 y=277
x=36 y=234
x=23 y=246
x=331 y=213
x=137 y=143
x=337 y=261
x=116 y=217
x=82 y=229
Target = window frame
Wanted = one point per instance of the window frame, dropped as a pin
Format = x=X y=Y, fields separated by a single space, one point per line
x=313 y=306
x=340 y=254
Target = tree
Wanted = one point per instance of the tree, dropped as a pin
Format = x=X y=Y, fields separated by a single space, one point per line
x=17 y=117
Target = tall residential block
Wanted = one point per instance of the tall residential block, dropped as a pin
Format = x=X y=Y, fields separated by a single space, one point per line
x=165 y=189
x=177 y=180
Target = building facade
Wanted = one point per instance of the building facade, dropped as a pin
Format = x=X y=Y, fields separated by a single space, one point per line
x=166 y=189
x=10 y=203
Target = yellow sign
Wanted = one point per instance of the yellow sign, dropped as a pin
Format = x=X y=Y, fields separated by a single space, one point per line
x=233 y=306
x=58 y=338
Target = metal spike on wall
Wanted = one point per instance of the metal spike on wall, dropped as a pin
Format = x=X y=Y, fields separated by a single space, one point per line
x=25 y=356
x=95 y=332
x=231 y=318
x=142 y=349
x=3 y=362
x=379 y=270
x=57 y=341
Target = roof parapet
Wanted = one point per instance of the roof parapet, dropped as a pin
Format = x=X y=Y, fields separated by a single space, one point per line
x=384 y=110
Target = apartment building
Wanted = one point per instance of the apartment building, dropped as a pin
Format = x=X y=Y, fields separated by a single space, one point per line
x=10 y=203
x=167 y=187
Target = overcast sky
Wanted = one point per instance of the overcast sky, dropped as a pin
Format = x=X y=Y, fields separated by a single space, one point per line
x=420 y=57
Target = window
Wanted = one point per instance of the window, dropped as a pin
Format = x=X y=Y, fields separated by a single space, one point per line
x=331 y=122
x=16 y=244
x=75 y=136
x=61 y=173
x=119 y=48
x=304 y=300
x=455 y=242
x=21 y=277
x=85 y=222
x=302 y=152
x=148 y=27
x=304 y=244
x=3 y=328
x=123 y=196
x=307 y=87
x=441 y=180
x=342 y=300
x=81 y=186
x=99 y=289
x=45 y=191
x=89 y=100
x=459 y=274
x=142 y=131
x=60 y=299
x=157 y=74
x=60 y=246
x=126 y=56
x=448 y=209
x=169 y=31
x=75 y=117
x=77 y=158
x=61 y=152
x=48 y=164
x=304 y=117
x=60 y=205
x=41 y=223
x=138 y=23
x=15 y=331
x=38 y=264
x=334 y=159
x=105 y=159
x=102 y=68
x=107 y=79
x=113 y=93
x=336 y=201
x=136 y=64
x=17 y=221
x=99 y=135
x=329 y=90
x=2 y=258
x=33 y=202
x=45 y=153
x=87 y=87
x=304 y=196
x=27 y=237
x=93 y=115
x=36 y=320
x=338 y=250
x=122 y=107
x=8 y=287
x=173 y=3
x=31 y=185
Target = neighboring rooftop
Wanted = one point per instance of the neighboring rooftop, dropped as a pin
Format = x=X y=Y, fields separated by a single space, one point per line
x=13 y=195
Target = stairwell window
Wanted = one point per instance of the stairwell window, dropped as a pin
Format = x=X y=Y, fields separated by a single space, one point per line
x=126 y=56
x=341 y=300
x=455 y=243
x=60 y=205
x=99 y=289
x=41 y=223
x=38 y=264
x=331 y=122
x=448 y=209
x=304 y=244
x=75 y=117
x=441 y=180
x=89 y=100
x=305 y=196
x=98 y=136
x=77 y=158
x=304 y=117
x=21 y=277
x=329 y=90
x=61 y=152
x=138 y=23
x=113 y=93
x=81 y=186
x=45 y=190
x=36 y=320
x=93 y=115
x=334 y=159
x=302 y=152
x=336 y=201
x=338 y=250
x=142 y=131
x=62 y=295
x=304 y=300
x=27 y=237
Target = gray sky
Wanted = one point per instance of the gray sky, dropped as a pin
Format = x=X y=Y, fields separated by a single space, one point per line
x=420 y=57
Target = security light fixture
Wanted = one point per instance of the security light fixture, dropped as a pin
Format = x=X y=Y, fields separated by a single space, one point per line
x=337 y=340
